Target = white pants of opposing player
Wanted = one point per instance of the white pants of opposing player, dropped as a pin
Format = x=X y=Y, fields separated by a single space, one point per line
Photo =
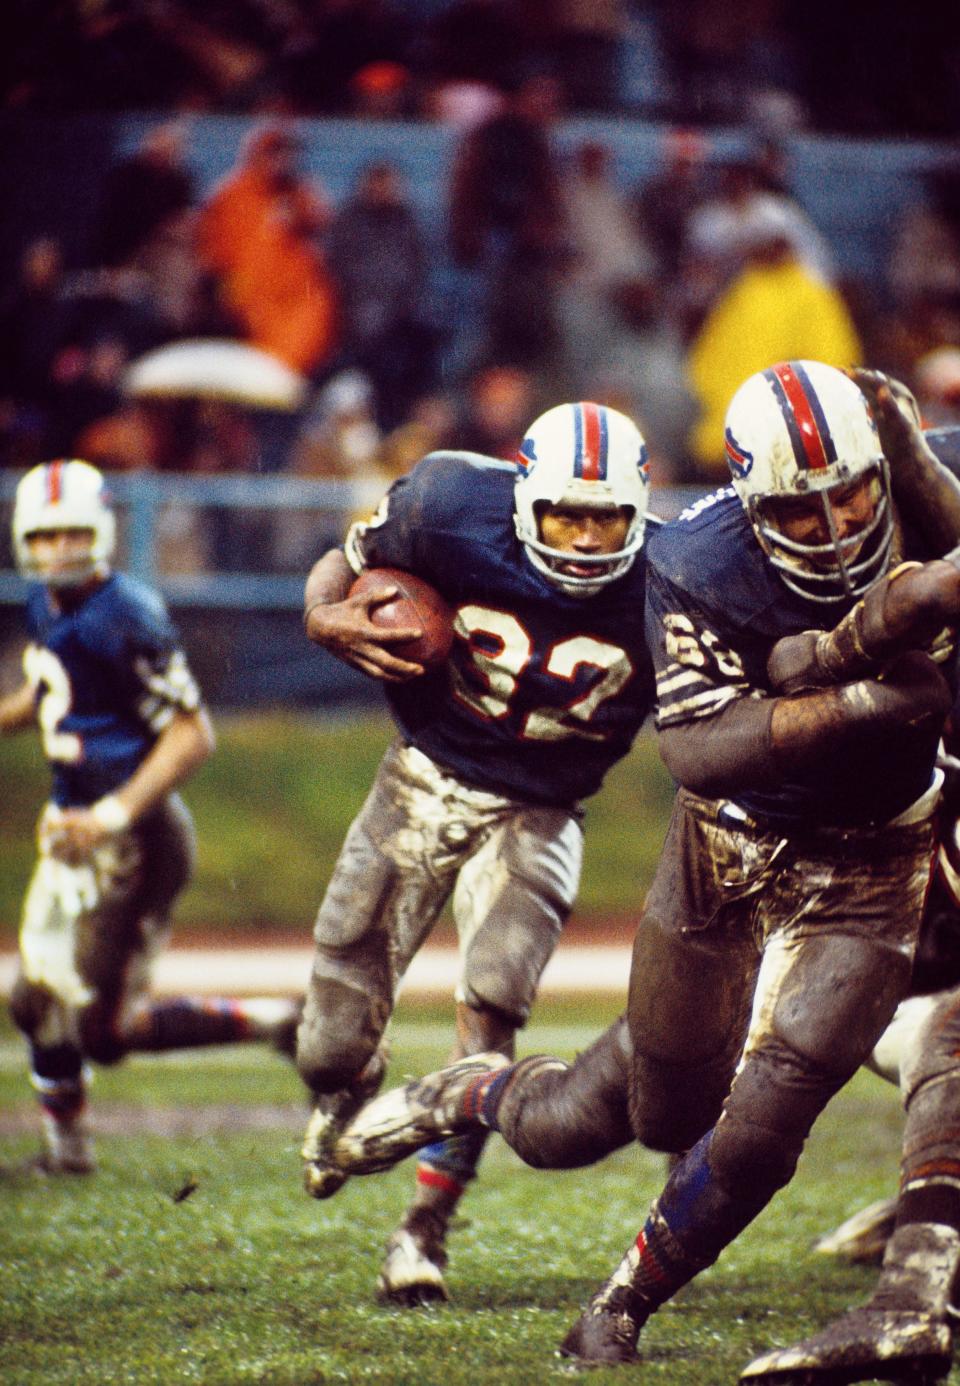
x=423 y=836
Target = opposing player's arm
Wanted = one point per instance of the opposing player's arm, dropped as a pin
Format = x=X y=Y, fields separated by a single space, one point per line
x=926 y=492
x=908 y=610
x=185 y=743
x=342 y=623
x=18 y=710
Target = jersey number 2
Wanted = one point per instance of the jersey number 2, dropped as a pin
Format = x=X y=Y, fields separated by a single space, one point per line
x=46 y=673
x=499 y=669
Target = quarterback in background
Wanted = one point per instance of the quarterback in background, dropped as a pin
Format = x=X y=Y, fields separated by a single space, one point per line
x=479 y=796
x=122 y=725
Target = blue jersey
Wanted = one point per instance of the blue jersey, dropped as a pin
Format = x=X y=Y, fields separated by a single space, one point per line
x=542 y=692
x=715 y=609
x=108 y=676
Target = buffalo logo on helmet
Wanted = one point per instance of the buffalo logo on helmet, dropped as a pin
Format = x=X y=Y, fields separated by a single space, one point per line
x=582 y=455
x=739 y=458
x=527 y=454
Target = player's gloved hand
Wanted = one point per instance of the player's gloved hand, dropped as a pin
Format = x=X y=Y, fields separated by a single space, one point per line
x=793 y=665
x=347 y=630
x=897 y=416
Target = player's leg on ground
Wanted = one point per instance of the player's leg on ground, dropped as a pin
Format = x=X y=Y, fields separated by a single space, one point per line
x=795 y=1058
x=386 y=892
x=555 y=1115
x=512 y=897
x=47 y=993
x=415 y=1259
x=60 y=1081
x=59 y=1078
x=905 y=1329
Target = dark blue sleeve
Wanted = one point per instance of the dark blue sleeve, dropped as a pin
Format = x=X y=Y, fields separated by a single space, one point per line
x=427 y=513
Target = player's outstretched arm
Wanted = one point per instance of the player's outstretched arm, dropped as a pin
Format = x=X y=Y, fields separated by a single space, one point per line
x=17 y=710
x=906 y=611
x=926 y=492
x=342 y=624
x=180 y=749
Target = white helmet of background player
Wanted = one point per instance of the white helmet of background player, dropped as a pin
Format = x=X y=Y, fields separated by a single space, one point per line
x=584 y=455
x=63 y=495
x=802 y=430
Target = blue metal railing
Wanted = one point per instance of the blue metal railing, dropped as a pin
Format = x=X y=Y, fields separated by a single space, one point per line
x=142 y=497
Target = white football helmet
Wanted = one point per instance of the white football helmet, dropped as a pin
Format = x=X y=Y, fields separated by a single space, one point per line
x=586 y=455
x=63 y=495
x=802 y=429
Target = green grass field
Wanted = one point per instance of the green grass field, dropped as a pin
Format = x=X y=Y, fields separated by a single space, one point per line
x=272 y=807
x=111 y=1279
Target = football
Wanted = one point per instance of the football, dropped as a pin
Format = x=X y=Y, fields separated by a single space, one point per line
x=416 y=604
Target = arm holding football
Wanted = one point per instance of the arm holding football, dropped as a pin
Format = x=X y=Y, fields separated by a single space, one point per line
x=343 y=624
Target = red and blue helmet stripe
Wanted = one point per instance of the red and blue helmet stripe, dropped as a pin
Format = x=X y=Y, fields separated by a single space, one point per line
x=806 y=423
x=591 y=445
x=53 y=482
x=590 y=442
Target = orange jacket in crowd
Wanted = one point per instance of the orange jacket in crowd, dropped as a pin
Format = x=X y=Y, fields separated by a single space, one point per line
x=257 y=234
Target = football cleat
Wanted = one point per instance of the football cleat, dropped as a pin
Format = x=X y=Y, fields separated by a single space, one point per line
x=901 y=1334
x=863 y=1238
x=864 y=1345
x=606 y=1331
x=322 y=1176
x=69 y=1148
x=412 y=1270
x=405 y=1119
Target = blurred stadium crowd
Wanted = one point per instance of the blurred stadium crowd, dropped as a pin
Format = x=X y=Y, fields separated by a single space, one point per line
x=658 y=296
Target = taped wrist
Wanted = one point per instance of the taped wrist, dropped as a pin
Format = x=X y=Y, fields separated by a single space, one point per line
x=863 y=642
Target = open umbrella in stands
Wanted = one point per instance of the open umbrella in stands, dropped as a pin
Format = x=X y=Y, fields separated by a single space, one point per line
x=216 y=369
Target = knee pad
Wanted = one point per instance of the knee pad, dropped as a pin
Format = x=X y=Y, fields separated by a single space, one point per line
x=98 y=1037
x=774 y=1101
x=672 y=1106
x=338 y=1034
x=564 y=1116
x=29 y=1004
